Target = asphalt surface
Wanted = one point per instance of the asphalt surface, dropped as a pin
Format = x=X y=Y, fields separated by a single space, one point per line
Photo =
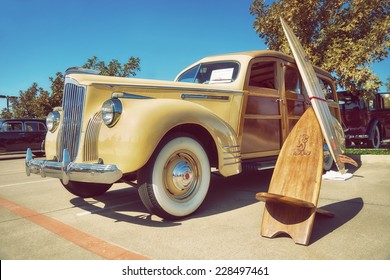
x=40 y=220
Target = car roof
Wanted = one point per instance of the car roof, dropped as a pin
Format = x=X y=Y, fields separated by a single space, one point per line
x=248 y=55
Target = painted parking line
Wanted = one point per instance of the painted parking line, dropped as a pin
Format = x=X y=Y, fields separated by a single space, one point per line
x=29 y=182
x=95 y=245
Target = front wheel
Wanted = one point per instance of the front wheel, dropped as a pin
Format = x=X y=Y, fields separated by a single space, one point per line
x=175 y=181
x=85 y=190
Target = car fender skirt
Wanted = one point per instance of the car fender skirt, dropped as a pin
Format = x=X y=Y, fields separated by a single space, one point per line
x=71 y=171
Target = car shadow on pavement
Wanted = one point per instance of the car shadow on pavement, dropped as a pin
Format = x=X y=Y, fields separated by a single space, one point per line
x=343 y=211
x=225 y=194
x=123 y=205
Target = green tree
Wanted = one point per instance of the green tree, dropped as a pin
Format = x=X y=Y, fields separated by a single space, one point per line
x=36 y=102
x=57 y=88
x=5 y=114
x=114 y=67
x=343 y=37
x=32 y=103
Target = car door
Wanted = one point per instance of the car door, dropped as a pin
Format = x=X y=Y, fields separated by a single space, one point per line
x=294 y=100
x=384 y=114
x=34 y=135
x=12 y=136
x=263 y=129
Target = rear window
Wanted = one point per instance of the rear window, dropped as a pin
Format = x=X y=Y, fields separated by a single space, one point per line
x=35 y=126
x=385 y=100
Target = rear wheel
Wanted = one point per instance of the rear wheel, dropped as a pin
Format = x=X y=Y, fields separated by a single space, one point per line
x=375 y=142
x=175 y=181
x=85 y=190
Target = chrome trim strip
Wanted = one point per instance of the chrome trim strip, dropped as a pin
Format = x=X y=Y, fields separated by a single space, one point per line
x=204 y=97
x=91 y=137
x=232 y=147
x=231 y=163
x=71 y=171
x=117 y=94
x=265 y=167
x=216 y=90
x=232 y=155
x=233 y=158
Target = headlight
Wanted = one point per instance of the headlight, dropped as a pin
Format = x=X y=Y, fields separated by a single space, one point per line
x=52 y=121
x=111 y=112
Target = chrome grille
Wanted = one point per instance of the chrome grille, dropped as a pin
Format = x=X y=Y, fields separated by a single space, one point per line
x=91 y=138
x=72 y=106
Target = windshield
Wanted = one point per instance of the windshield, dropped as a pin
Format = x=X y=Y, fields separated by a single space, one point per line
x=211 y=73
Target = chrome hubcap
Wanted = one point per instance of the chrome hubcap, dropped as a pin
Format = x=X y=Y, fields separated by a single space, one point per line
x=182 y=175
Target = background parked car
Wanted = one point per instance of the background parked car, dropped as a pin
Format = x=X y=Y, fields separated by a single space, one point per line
x=367 y=120
x=16 y=135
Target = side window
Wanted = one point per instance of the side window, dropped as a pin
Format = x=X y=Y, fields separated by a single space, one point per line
x=31 y=126
x=42 y=127
x=327 y=89
x=292 y=80
x=263 y=75
x=35 y=126
x=211 y=73
x=190 y=75
x=12 y=126
x=353 y=104
x=386 y=100
x=371 y=104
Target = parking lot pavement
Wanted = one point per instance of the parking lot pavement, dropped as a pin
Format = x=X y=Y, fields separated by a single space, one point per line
x=39 y=219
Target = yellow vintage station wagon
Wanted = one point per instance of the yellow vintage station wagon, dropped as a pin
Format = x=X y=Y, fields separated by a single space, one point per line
x=229 y=112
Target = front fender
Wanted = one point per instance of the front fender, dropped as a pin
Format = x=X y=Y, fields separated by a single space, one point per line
x=143 y=123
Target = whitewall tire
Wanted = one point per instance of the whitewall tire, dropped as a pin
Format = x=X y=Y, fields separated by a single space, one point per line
x=175 y=181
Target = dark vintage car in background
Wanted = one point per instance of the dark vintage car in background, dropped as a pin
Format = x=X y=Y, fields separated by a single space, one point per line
x=367 y=120
x=16 y=135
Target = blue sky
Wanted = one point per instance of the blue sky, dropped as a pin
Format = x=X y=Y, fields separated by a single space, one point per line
x=41 y=37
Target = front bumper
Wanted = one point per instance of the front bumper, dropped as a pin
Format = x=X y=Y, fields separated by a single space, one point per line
x=71 y=171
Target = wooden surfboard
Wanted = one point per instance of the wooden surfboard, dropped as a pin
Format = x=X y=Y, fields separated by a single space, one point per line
x=291 y=201
x=330 y=127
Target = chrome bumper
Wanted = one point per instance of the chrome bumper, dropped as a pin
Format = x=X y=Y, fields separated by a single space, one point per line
x=356 y=136
x=71 y=171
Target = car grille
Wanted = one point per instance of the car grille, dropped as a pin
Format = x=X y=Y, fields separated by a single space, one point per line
x=91 y=137
x=72 y=106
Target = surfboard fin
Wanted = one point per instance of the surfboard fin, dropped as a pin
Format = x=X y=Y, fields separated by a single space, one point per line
x=347 y=159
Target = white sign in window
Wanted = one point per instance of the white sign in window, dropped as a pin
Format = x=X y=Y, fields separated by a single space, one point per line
x=222 y=75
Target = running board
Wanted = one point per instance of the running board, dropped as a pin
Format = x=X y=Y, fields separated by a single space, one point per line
x=258 y=166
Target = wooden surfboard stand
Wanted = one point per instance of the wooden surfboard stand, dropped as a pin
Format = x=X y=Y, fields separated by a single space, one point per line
x=291 y=202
